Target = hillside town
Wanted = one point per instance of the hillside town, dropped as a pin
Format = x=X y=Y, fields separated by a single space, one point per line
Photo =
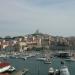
x=36 y=41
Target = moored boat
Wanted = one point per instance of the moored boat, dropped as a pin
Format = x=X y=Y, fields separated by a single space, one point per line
x=41 y=59
x=47 y=61
x=4 y=66
x=64 y=70
x=70 y=59
x=51 y=71
x=11 y=69
x=62 y=54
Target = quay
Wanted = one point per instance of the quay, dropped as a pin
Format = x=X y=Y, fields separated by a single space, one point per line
x=21 y=72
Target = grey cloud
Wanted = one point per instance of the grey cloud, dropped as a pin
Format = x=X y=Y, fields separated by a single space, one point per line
x=21 y=16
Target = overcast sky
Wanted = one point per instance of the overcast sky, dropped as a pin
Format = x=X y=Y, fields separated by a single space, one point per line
x=19 y=17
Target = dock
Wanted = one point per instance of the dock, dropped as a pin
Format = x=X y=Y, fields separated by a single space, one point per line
x=21 y=72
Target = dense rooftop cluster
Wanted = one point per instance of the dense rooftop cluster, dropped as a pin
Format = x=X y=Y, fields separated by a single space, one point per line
x=36 y=41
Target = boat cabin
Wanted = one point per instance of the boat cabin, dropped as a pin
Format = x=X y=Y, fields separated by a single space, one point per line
x=62 y=54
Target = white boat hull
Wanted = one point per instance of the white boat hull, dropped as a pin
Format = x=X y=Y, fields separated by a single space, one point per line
x=41 y=59
x=4 y=69
x=11 y=69
x=64 y=71
x=51 y=71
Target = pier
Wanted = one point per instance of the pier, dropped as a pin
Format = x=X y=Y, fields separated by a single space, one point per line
x=21 y=72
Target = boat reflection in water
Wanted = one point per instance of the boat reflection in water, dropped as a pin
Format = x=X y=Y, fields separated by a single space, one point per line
x=57 y=72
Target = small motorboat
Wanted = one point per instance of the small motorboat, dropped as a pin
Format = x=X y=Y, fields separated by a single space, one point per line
x=64 y=70
x=41 y=59
x=51 y=71
x=47 y=61
x=4 y=66
x=11 y=69
x=70 y=59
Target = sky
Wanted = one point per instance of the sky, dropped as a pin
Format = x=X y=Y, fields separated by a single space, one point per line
x=54 y=17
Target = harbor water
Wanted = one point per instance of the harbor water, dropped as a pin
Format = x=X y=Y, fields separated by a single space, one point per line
x=36 y=67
